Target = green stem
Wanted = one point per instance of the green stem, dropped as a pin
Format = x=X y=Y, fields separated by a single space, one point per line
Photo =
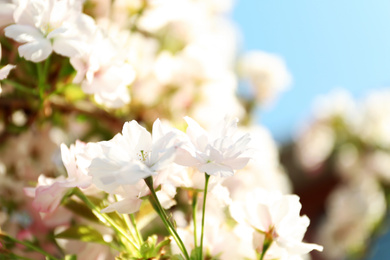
x=30 y=246
x=130 y=227
x=194 y=207
x=266 y=245
x=20 y=87
x=46 y=67
x=132 y=218
x=206 y=184
x=42 y=69
x=162 y=214
x=41 y=80
x=104 y=218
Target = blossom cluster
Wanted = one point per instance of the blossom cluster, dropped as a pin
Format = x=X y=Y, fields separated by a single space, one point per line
x=351 y=139
x=120 y=167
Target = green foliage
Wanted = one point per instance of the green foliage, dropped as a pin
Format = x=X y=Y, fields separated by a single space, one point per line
x=196 y=253
x=150 y=249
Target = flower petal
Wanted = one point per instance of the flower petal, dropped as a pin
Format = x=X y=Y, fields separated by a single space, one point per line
x=5 y=71
x=36 y=51
x=125 y=206
x=23 y=33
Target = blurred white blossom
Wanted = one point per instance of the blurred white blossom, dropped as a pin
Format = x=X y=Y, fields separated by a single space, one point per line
x=353 y=211
x=49 y=191
x=267 y=74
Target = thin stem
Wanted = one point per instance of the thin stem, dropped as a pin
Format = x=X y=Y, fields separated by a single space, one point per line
x=46 y=67
x=129 y=225
x=20 y=87
x=194 y=207
x=132 y=218
x=162 y=214
x=104 y=218
x=42 y=69
x=131 y=228
x=18 y=257
x=266 y=245
x=206 y=184
x=41 y=80
x=30 y=246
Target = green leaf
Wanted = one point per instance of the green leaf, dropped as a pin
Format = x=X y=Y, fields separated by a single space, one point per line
x=151 y=249
x=195 y=253
x=162 y=244
x=70 y=257
x=82 y=233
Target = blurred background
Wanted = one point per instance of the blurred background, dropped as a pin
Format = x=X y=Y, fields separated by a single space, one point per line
x=326 y=45
x=338 y=55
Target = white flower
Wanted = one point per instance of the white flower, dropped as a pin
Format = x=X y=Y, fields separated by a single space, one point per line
x=263 y=170
x=46 y=25
x=274 y=216
x=129 y=197
x=103 y=71
x=77 y=174
x=132 y=156
x=219 y=152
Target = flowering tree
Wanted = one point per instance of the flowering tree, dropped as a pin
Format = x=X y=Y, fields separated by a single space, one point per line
x=159 y=186
x=347 y=140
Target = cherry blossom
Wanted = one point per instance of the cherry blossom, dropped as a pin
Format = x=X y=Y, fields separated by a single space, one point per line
x=103 y=71
x=274 y=217
x=46 y=26
x=131 y=156
x=218 y=152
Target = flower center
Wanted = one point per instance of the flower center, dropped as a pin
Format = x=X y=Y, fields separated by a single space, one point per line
x=272 y=234
x=143 y=155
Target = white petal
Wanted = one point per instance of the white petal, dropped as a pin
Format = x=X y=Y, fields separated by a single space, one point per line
x=163 y=151
x=185 y=156
x=67 y=47
x=36 y=51
x=237 y=163
x=196 y=133
x=108 y=175
x=166 y=199
x=125 y=206
x=23 y=33
x=216 y=169
x=137 y=136
x=5 y=71
x=6 y=13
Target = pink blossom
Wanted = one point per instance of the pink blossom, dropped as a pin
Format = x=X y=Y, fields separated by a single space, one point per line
x=49 y=191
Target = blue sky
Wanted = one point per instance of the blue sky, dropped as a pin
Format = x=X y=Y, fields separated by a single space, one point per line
x=326 y=44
